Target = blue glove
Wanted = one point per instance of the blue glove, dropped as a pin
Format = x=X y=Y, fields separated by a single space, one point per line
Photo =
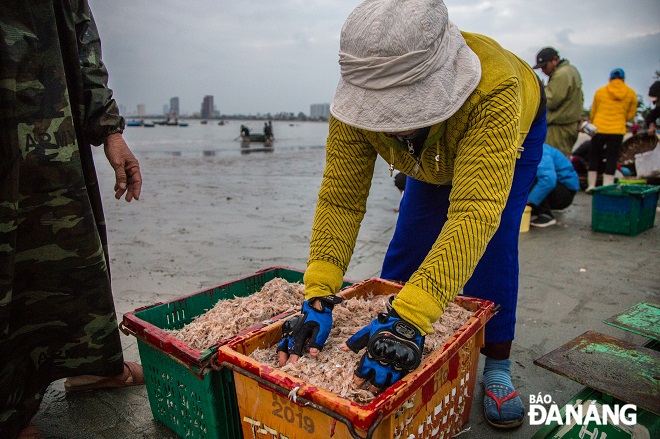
x=313 y=326
x=394 y=348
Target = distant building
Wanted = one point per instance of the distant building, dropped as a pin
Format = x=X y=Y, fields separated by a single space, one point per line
x=166 y=109
x=207 y=107
x=141 y=110
x=174 y=107
x=319 y=111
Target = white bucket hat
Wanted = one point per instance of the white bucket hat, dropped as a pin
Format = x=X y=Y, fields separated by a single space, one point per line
x=404 y=66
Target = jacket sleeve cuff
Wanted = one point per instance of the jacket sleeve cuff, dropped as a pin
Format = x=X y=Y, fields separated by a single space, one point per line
x=322 y=279
x=418 y=308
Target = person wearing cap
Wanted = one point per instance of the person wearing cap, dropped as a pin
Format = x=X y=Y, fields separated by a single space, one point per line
x=654 y=114
x=464 y=119
x=565 y=100
x=613 y=105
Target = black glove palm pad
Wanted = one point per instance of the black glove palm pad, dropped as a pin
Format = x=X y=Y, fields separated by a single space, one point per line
x=312 y=325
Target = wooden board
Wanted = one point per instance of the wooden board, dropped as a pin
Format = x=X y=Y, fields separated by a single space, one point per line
x=642 y=319
x=625 y=371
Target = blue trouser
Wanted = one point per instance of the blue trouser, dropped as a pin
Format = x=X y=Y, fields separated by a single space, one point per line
x=423 y=212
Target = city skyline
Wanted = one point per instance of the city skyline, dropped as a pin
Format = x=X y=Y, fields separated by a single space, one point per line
x=260 y=56
x=209 y=111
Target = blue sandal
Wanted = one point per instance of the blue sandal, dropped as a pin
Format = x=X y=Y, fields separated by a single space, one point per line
x=503 y=408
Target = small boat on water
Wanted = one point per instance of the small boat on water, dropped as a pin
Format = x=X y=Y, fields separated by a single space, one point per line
x=139 y=123
x=257 y=138
x=267 y=137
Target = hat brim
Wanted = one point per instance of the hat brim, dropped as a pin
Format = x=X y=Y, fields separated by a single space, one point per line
x=428 y=101
x=539 y=65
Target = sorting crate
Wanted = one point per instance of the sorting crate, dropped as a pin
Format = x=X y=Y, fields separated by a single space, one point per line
x=526 y=219
x=432 y=401
x=647 y=424
x=626 y=209
x=184 y=392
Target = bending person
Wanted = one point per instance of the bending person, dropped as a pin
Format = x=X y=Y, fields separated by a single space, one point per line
x=465 y=120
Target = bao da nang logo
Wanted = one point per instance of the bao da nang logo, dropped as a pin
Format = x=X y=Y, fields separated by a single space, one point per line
x=544 y=411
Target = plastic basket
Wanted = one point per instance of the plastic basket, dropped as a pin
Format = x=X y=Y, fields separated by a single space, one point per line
x=184 y=392
x=432 y=401
x=626 y=209
x=631 y=181
x=647 y=424
x=526 y=218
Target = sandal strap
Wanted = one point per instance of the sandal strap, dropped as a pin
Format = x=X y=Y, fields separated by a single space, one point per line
x=500 y=401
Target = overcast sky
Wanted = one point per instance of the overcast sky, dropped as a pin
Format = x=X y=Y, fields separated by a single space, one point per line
x=270 y=56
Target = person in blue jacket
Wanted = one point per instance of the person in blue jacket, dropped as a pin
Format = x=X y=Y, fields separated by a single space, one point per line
x=555 y=187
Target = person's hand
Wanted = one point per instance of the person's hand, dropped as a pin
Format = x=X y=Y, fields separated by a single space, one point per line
x=651 y=129
x=312 y=326
x=128 y=178
x=394 y=348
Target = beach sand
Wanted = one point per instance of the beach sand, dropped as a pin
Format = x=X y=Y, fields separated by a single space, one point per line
x=201 y=221
x=204 y=221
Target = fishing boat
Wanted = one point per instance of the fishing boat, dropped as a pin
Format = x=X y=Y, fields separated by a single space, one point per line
x=267 y=137
x=139 y=123
x=257 y=138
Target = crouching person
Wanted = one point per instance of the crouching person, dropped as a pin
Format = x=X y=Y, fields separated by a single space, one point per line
x=555 y=187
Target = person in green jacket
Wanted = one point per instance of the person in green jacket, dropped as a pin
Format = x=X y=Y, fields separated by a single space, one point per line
x=565 y=99
x=613 y=105
x=464 y=119
x=57 y=316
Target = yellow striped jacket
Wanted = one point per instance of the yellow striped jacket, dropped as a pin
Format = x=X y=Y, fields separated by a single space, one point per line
x=475 y=151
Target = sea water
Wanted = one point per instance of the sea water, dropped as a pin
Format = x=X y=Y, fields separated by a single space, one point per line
x=211 y=139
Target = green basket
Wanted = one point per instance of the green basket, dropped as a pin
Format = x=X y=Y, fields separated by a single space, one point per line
x=191 y=405
x=184 y=392
x=625 y=209
x=647 y=423
x=631 y=181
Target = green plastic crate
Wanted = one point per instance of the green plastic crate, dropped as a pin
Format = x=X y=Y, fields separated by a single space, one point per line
x=184 y=392
x=626 y=209
x=631 y=181
x=647 y=424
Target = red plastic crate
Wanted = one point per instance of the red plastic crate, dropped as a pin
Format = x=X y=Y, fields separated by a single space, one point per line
x=432 y=401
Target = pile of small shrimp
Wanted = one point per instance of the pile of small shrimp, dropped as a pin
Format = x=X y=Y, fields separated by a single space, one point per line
x=333 y=368
x=229 y=317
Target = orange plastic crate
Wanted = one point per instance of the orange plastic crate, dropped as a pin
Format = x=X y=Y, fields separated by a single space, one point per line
x=432 y=401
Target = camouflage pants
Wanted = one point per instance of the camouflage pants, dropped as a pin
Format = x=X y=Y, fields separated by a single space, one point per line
x=57 y=316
